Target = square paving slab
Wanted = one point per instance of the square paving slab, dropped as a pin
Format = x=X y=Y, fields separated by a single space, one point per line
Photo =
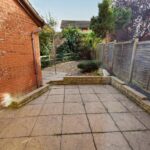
x=55 y=99
x=94 y=107
x=73 y=98
x=89 y=98
x=78 y=142
x=111 y=141
x=13 y=143
x=44 y=143
x=75 y=124
x=127 y=121
x=52 y=109
x=19 y=127
x=47 y=125
x=114 y=106
x=74 y=108
x=102 y=123
x=139 y=140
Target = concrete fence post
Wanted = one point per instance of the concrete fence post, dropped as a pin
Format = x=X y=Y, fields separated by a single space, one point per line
x=103 y=53
x=133 y=59
x=113 y=53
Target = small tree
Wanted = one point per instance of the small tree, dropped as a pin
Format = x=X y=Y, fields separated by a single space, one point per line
x=122 y=17
x=46 y=40
x=104 y=22
x=46 y=35
x=140 y=21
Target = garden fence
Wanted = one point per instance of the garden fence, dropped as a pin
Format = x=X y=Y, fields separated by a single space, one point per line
x=129 y=61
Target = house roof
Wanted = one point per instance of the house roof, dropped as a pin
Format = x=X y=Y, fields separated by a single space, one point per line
x=26 y=5
x=79 y=24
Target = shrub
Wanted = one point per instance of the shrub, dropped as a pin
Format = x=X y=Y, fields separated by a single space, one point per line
x=89 y=65
x=45 y=62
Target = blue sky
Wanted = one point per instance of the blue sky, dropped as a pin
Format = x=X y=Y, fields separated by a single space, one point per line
x=67 y=9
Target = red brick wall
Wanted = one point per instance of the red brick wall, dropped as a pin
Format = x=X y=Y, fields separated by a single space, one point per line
x=17 y=70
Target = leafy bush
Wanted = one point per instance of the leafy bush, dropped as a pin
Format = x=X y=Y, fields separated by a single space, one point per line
x=89 y=65
x=45 y=62
x=46 y=36
x=77 y=43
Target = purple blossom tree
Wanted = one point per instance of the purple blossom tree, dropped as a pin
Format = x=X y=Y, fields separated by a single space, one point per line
x=139 y=27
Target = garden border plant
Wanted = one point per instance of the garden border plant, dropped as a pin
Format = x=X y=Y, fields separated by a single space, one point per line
x=89 y=66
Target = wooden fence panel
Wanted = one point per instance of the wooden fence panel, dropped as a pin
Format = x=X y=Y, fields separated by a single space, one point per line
x=108 y=56
x=141 y=71
x=125 y=63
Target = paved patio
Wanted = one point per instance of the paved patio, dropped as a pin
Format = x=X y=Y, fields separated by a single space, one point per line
x=76 y=118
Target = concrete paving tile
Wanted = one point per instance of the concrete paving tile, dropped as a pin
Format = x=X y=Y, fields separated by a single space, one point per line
x=144 y=118
x=47 y=125
x=120 y=97
x=111 y=89
x=114 y=106
x=77 y=142
x=39 y=100
x=106 y=97
x=55 y=99
x=71 y=86
x=100 y=90
x=8 y=113
x=73 y=98
x=29 y=111
x=85 y=86
x=19 y=127
x=56 y=91
x=90 y=98
x=139 y=140
x=4 y=123
x=71 y=91
x=73 y=108
x=44 y=143
x=87 y=91
x=75 y=124
x=111 y=141
x=131 y=106
x=127 y=121
x=94 y=107
x=101 y=123
x=13 y=143
x=52 y=109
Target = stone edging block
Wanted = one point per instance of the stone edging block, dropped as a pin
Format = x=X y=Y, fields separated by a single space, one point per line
x=134 y=95
x=18 y=102
x=82 y=80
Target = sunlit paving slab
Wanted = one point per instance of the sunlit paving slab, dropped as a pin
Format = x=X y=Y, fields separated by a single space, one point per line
x=111 y=141
x=76 y=117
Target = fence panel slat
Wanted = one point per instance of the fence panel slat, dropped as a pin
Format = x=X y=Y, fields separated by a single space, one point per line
x=141 y=71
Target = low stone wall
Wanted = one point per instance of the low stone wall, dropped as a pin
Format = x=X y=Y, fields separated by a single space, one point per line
x=83 y=80
x=134 y=95
x=137 y=97
x=18 y=102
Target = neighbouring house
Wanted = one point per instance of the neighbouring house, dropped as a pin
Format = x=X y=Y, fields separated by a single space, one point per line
x=20 y=68
x=83 y=25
